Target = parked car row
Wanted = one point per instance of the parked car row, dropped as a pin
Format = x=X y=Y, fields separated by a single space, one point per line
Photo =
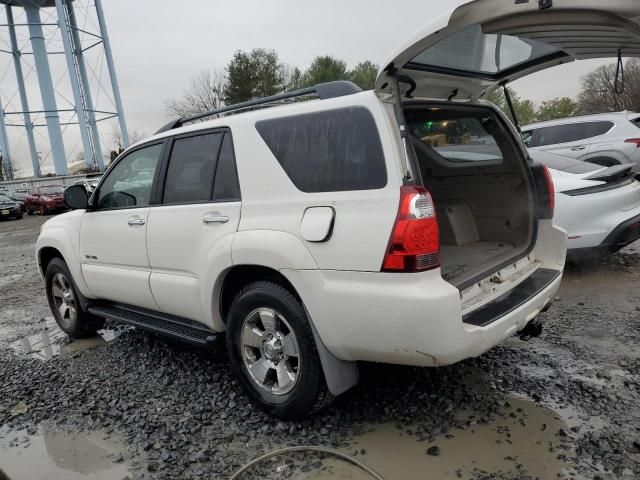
x=42 y=199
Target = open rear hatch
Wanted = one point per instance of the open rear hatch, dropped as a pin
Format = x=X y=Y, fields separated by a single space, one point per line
x=469 y=157
x=485 y=43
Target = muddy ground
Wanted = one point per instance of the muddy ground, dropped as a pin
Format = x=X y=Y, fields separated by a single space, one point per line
x=565 y=405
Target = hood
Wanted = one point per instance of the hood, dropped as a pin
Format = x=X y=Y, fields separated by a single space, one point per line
x=483 y=44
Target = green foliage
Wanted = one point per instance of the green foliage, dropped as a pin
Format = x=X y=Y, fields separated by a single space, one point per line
x=560 y=107
x=253 y=74
x=364 y=75
x=525 y=109
x=325 y=69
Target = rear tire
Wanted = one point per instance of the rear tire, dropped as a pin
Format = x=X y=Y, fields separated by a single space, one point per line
x=29 y=211
x=43 y=211
x=63 y=300
x=273 y=353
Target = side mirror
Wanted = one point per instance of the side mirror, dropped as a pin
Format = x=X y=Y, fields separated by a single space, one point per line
x=75 y=197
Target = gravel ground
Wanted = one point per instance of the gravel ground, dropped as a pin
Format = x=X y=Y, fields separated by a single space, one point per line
x=181 y=414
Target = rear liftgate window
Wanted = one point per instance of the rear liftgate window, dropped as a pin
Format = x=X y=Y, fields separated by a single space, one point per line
x=458 y=137
x=330 y=151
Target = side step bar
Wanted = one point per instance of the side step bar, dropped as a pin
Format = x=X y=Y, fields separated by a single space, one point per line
x=511 y=300
x=169 y=325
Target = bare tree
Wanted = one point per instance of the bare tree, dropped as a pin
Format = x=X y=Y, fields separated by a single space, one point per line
x=117 y=144
x=203 y=93
x=599 y=89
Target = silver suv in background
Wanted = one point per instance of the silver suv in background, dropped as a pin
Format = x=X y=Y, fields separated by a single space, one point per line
x=607 y=139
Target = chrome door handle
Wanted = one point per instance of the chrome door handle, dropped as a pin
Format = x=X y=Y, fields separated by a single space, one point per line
x=213 y=218
x=136 y=221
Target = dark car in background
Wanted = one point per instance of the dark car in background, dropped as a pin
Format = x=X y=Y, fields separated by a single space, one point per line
x=19 y=196
x=45 y=199
x=9 y=208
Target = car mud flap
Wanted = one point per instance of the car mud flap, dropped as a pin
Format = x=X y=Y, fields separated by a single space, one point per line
x=340 y=375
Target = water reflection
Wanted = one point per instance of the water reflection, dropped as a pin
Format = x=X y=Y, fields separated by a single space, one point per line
x=60 y=456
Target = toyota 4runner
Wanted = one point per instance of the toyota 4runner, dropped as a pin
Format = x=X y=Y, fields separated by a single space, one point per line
x=404 y=225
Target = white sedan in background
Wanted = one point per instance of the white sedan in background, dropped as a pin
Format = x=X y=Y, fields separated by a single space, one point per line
x=598 y=207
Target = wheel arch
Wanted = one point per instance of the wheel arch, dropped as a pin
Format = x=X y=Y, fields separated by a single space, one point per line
x=340 y=375
x=45 y=255
x=604 y=160
x=55 y=242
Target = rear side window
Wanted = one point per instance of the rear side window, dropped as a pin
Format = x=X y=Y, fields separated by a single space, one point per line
x=330 y=151
x=192 y=165
x=573 y=132
x=595 y=129
x=226 y=187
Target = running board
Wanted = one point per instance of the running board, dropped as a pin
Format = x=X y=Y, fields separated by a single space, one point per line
x=169 y=325
x=513 y=299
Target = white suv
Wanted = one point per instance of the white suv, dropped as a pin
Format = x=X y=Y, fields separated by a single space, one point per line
x=403 y=225
x=607 y=139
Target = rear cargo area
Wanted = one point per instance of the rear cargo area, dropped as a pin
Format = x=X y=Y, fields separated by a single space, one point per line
x=478 y=179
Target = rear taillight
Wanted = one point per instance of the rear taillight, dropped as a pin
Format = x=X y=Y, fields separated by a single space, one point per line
x=414 y=245
x=634 y=140
x=545 y=190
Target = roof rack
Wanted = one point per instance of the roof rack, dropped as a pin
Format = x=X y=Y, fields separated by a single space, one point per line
x=338 y=88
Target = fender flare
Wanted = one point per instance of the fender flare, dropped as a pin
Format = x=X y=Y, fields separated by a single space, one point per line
x=58 y=238
x=284 y=251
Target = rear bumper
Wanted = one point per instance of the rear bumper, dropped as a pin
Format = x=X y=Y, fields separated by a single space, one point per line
x=624 y=234
x=10 y=212
x=413 y=319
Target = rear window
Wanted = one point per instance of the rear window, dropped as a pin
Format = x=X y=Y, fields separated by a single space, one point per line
x=572 y=132
x=472 y=50
x=457 y=137
x=330 y=151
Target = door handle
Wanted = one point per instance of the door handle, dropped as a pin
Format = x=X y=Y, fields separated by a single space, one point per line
x=577 y=149
x=215 y=218
x=136 y=221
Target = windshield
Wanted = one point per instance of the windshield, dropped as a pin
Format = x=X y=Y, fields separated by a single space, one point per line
x=51 y=190
x=471 y=50
x=4 y=198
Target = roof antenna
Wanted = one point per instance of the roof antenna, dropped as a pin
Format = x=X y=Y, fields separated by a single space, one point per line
x=619 y=85
x=453 y=95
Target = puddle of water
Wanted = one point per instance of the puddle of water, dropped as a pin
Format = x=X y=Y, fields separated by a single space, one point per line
x=523 y=441
x=60 y=456
x=51 y=342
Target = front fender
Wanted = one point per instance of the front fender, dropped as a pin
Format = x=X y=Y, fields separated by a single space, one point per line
x=58 y=238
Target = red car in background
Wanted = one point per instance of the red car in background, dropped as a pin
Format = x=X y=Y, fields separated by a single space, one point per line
x=44 y=199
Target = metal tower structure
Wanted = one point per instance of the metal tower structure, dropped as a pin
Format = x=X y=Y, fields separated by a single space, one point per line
x=42 y=23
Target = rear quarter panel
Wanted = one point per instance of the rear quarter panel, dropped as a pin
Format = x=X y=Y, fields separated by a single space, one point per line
x=363 y=219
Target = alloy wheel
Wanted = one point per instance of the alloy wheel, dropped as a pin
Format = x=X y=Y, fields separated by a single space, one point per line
x=64 y=300
x=270 y=351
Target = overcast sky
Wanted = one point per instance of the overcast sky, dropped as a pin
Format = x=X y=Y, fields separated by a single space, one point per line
x=158 y=46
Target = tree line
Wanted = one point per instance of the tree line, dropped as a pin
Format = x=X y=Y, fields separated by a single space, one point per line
x=260 y=73
x=598 y=94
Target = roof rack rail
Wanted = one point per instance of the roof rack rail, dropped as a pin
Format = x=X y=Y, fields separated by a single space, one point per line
x=338 y=88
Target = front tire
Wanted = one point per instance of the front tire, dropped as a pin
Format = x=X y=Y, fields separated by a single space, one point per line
x=63 y=301
x=272 y=351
